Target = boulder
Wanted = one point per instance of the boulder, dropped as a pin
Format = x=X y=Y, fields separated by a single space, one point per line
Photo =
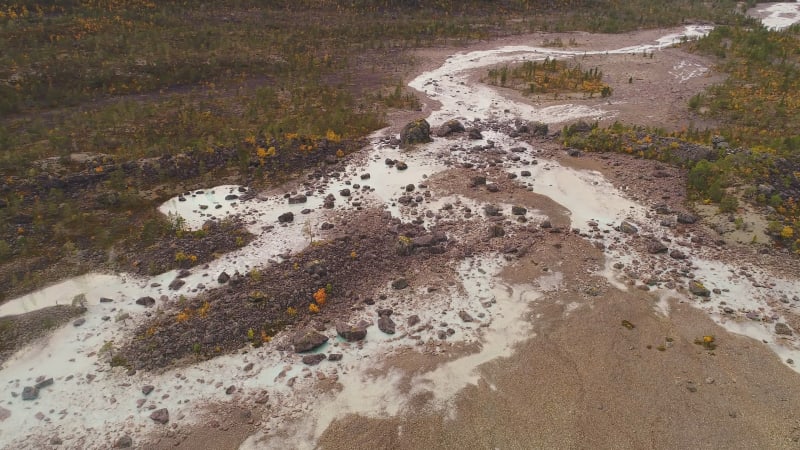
x=44 y=383
x=451 y=126
x=297 y=199
x=308 y=340
x=386 y=324
x=697 y=288
x=496 y=231
x=400 y=283
x=286 y=217
x=160 y=416
x=146 y=301
x=478 y=180
x=176 y=284
x=475 y=134
x=655 y=246
x=686 y=218
x=313 y=360
x=351 y=333
x=782 y=328
x=124 y=442
x=518 y=210
x=628 y=228
x=415 y=132
x=30 y=393
x=492 y=210
x=428 y=240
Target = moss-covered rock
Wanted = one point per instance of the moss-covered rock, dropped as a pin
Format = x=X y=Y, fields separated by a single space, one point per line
x=415 y=132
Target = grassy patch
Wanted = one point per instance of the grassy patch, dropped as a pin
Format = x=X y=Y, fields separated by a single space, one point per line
x=549 y=76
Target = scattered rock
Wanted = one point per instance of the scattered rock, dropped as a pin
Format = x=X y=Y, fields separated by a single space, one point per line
x=412 y=320
x=160 y=416
x=286 y=217
x=628 y=228
x=782 y=328
x=478 y=180
x=677 y=254
x=230 y=390
x=106 y=300
x=400 y=165
x=146 y=301
x=686 y=218
x=44 y=383
x=334 y=357
x=308 y=340
x=496 y=231
x=518 y=210
x=449 y=127
x=4 y=414
x=546 y=224
x=176 y=284
x=223 y=278
x=386 y=324
x=655 y=246
x=313 y=360
x=300 y=198
x=30 y=393
x=475 y=134
x=79 y=322
x=492 y=210
x=465 y=316
x=351 y=333
x=697 y=288
x=400 y=283
x=124 y=442
x=147 y=389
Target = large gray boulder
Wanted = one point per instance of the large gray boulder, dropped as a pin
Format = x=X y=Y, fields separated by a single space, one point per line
x=449 y=127
x=352 y=333
x=308 y=340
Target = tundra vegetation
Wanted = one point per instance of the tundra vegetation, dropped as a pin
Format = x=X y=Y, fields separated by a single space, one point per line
x=756 y=143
